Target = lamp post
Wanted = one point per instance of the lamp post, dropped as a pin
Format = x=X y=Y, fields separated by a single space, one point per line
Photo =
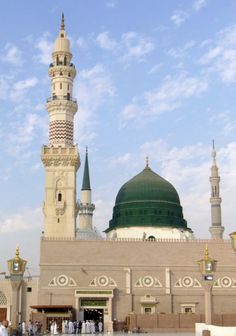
x=207 y=267
x=16 y=267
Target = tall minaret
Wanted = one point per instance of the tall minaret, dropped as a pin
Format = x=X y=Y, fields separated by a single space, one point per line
x=216 y=228
x=86 y=208
x=61 y=157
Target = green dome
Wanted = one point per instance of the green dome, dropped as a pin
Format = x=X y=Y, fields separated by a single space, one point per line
x=147 y=200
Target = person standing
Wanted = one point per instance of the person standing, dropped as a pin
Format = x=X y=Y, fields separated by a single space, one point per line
x=100 y=325
x=3 y=328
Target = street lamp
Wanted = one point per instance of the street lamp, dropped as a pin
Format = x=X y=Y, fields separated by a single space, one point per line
x=207 y=267
x=233 y=240
x=16 y=268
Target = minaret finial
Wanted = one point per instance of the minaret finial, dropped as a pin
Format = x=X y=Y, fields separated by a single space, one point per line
x=17 y=253
x=213 y=152
x=86 y=150
x=147 y=161
x=206 y=254
x=62 y=22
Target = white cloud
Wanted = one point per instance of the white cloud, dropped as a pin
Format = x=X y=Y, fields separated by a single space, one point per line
x=24 y=220
x=168 y=97
x=121 y=160
x=181 y=52
x=92 y=89
x=199 y=4
x=179 y=17
x=82 y=43
x=21 y=87
x=155 y=68
x=137 y=47
x=221 y=56
x=105 y=42
x=227 y=123
x=12 y=55
x=45 y=48
x=131 y=45
x=111 y=3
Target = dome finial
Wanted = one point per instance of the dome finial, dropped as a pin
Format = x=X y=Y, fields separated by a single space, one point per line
x=62 y=22
x=86 y=150
x=147 y=162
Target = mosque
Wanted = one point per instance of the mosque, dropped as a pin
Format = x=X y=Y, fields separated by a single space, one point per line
x=147 y=264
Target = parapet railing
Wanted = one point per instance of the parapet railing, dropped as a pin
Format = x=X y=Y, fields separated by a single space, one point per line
x=117 y=240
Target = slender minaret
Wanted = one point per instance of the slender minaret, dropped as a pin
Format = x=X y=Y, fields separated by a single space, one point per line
x=61 y=157
x=86 y=208
x=216 y=228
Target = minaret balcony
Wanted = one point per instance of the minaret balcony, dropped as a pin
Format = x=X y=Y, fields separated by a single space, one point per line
x=65 y=97
x=62 y=70
x=61 y=63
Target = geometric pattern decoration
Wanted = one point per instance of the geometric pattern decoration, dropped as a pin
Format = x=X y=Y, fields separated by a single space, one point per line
x=103 y=281
x=61 y=131
x=3 y=299
x=62 y=281
x=148 y=281
x=188 y=282
x=225 y=282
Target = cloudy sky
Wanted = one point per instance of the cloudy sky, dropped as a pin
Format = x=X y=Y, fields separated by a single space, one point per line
x=155 y=78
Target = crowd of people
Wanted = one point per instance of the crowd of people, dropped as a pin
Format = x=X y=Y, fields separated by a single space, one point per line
x=67 y=327
x=29 y=329
x=81 y=327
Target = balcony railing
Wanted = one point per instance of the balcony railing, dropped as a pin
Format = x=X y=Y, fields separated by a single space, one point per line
x=61 y=63
x=66 y=97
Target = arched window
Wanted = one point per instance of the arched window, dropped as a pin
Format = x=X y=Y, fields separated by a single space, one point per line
x=59 y=197
x=61 y=86
x=57 y=60
x=65 y=60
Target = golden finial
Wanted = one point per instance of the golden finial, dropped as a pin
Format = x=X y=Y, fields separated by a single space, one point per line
x=62 y=22
x=206 y=255
x=17 y=253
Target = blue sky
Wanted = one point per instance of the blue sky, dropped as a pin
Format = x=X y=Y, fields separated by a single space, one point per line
x=155 y=78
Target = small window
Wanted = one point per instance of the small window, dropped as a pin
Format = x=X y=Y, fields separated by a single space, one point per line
x=61 y=86
x=59 y=197
x=58 y=220
x=62 y=35
x=69 y=74
x=29 y=289
x=147 y=310
x=68 y=87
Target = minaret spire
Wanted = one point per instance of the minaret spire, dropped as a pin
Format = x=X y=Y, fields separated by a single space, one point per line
x=86 y=178
x=216 y=228
x=86 y=207
x=62 y=22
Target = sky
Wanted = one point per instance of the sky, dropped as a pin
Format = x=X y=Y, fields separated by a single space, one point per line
x=154 y=78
